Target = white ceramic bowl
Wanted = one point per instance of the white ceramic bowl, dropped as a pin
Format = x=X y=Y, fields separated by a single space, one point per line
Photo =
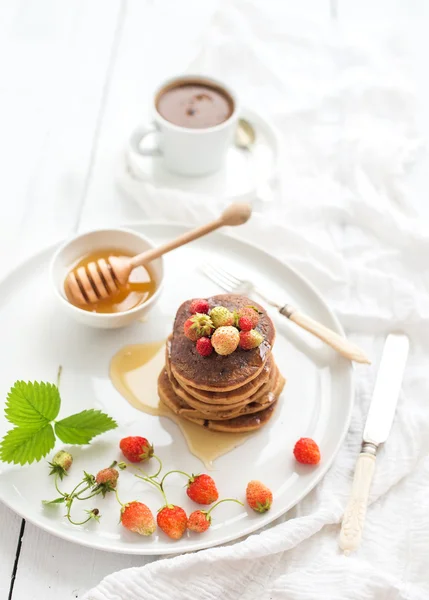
x=122 y=239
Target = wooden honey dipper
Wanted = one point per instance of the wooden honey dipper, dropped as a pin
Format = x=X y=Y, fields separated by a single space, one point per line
x=100 y=280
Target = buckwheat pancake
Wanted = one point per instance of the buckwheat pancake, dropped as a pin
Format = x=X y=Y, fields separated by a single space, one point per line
x=218 y=373
x=243 y=422
x=214 y=409
x=237 y=394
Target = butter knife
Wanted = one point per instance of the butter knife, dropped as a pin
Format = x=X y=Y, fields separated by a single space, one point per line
x=377 y=428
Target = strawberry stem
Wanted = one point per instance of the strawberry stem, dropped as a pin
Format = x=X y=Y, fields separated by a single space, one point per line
x=117 y=498
x=180 y=472
x=156 y=484
x=97 y=491
x=224 y=500
x=76 y=522
x=57 y=488
x=159 y=466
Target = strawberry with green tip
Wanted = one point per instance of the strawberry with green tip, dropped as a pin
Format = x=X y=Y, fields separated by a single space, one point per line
x=200 y=488
x=221 y=316
x=137 y=517
x=250 y=339
x=61 y=463
x=106 y=480
x=200 y=520
x=225 y=340
x=136 y=449
x=197 y=326
x=259 y=497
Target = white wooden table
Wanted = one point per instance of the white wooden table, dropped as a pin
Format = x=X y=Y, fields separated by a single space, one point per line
x=75 y=78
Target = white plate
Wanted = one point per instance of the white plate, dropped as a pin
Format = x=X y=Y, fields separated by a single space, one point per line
x=245 y=172
x=36 y=337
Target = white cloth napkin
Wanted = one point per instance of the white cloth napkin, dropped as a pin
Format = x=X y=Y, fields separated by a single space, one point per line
x=345 y=114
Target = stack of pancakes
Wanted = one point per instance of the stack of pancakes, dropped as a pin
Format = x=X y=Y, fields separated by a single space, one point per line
x=231 y=393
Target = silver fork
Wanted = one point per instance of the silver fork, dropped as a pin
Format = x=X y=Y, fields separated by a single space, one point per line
x=233 y=284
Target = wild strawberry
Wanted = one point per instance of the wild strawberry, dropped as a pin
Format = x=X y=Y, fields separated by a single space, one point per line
x=245 y=324
x=248 y=312
x=221 y=316
x=136 y=449
x=172 y=520
x=225 y=340
x=108 y=477
x=202 y=489
x=250 y=339
x=137 y=517
x=307 y=452
x=61 y=463
x=199 y=305
x=199 y=521
x=204 y=346
x=258 y=496
x=198 y=326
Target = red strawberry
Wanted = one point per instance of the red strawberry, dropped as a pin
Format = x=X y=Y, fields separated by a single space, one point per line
x=250 y=339
x=136 y=449
x=197 y=326
x=306 y=451
x=245 y=324
x=199 y=521
x=173 y=521
x=137 y=517
x=204 y=346
x=258 y=496
x=199 y=305
x=202 y=489
x=249 y=312
x=107 y=477
x=225 y=340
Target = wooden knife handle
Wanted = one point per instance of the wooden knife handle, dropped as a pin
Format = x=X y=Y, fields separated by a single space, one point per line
x=354 y=516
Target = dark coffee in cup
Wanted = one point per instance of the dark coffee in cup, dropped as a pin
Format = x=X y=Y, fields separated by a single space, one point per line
x=194 y=104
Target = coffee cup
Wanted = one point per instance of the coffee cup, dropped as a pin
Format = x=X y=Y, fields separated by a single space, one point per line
x=194 y=121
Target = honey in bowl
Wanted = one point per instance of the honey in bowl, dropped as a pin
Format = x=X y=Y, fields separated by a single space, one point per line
x=139 y=288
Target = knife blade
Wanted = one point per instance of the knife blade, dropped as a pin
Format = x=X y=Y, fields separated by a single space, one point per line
x=386 y=391
x=377 y=428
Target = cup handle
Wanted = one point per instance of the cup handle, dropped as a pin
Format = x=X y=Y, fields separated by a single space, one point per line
x=137 y=137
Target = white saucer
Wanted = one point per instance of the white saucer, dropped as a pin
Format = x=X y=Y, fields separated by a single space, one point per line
x=245 y=174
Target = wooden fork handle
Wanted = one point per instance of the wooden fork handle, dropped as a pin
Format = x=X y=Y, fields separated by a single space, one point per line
x=333 y=339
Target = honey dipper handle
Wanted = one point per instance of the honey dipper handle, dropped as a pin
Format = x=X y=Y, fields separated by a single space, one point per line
x=235 y=214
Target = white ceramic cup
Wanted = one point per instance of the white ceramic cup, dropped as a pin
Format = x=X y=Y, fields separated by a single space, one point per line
x=186 y=151
x=72 y=250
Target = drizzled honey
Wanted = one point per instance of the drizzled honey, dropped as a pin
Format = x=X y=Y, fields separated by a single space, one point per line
x=134 y=372
x=139 y=288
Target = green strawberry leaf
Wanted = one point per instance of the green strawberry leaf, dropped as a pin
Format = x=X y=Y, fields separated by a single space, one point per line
x=82 y=427
x=59 y=500
x=25 y=445
x=32 y=404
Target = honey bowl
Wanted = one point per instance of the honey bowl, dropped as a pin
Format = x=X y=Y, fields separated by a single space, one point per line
x=132 y=302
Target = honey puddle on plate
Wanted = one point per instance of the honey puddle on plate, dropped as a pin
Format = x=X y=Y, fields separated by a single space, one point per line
x=134 y=372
